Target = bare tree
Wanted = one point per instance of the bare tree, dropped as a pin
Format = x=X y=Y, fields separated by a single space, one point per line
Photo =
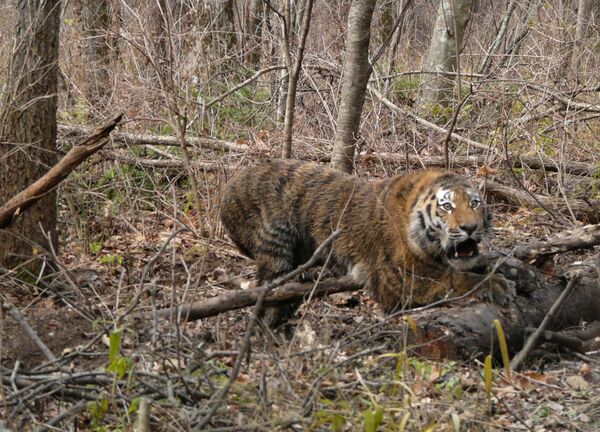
x=28 y=133
x=357 y=71
x=255 y=20
x=293 y=70
x=521 y=29
x=98 y=50
x=446 y=43
x=584 y=10
x=486 y=63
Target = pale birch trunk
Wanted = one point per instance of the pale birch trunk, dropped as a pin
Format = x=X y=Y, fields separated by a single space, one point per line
x=446 y=41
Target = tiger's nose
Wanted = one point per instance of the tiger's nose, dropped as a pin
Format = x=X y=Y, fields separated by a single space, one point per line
x=469 y=229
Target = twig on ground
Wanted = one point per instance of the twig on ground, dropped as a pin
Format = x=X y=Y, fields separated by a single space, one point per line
x=143 y=420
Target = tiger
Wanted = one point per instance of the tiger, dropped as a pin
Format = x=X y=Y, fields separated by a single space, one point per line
x=410 y=239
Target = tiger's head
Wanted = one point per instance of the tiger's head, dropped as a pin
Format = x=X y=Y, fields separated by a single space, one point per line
x=448 y=220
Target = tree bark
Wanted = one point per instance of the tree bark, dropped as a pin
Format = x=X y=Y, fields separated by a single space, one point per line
x=355 y=77
x=28 y=133
x=443 y=58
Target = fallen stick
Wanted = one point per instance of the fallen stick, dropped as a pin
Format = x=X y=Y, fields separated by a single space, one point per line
x=86 y=147
x=239 y=299
x=69 y=412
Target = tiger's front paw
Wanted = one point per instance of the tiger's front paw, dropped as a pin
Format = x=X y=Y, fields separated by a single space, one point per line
x=497 y=289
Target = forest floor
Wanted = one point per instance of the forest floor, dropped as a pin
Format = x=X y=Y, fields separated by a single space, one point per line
x=343 y=368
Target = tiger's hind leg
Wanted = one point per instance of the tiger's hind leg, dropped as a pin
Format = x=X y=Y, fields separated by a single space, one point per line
x=275 y=257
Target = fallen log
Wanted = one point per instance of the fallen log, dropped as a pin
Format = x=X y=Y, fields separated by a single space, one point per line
x=537 y=163
x=588 y=210
x=516 y=161
x=466 y=331
x=536 y=252
x=145 y=139
x=85 y=148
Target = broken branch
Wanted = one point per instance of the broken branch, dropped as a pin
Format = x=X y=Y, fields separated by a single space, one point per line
x=88 y=146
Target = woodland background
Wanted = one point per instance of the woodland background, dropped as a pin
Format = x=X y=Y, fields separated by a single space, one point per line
x=204 y=88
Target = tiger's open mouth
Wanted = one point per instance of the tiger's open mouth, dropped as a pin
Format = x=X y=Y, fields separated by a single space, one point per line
x=463 y=250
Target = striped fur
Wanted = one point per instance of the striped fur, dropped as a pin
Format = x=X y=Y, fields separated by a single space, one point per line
x=395 y=234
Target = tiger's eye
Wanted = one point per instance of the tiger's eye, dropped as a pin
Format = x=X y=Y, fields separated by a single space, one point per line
x=446 y=207
x=475 y=203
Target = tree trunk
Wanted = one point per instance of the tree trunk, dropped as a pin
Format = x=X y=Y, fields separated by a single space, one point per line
x=254 y=33
x=28 y=134
x=156 y=19
x=357 y=71
x=584 y=10
x=500 y=38
x=98 y=50
x=446 y=43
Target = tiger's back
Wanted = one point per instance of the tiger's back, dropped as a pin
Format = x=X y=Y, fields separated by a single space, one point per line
x=278 y=211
